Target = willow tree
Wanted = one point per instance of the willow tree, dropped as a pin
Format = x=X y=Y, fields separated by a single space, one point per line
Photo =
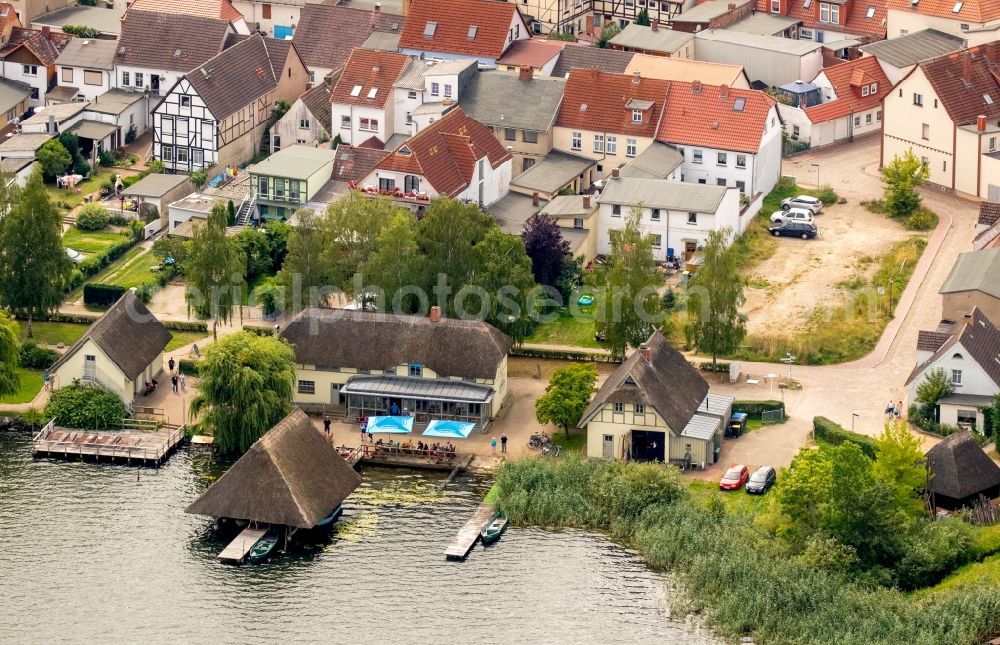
x=245 y=389
x=10 y=346
x=34 y=266
x=215 y=270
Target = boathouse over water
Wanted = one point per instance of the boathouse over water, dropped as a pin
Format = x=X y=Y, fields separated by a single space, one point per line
x=290 y=477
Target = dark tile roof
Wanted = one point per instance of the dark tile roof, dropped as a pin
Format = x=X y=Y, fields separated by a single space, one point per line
x=502 y=99
x=963 y=79
x=45 y=49
x=317 y=100
x=981 y=341
x=236 y=77
x=931 y=341
x=914 y=48
x=291 y=476
x=326 y=34
x=128 y=333
x=378 y=341
x=989 y=213
x=960 y=469
x=606 y=60
x=668 y=383
x=181 y=42
x=487 y=22
x=354 y=163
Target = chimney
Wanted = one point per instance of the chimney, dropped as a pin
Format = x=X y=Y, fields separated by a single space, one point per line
x=524 y=73
x=966 y=66
x=406 y=7
x=614 y=173
x=655 y=25
x=646 y=352
x=723 y=91
x=534 y=199
x=435 y=314
x=695 y=87
x=51 y=127
x=981 y=122
x=732 y=6
x=586 y=202
x=636 y=77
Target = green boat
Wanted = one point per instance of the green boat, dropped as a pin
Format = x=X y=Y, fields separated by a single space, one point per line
x=491 y=532
x=264 y=547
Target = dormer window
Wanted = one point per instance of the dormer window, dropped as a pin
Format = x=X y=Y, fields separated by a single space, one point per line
x=874 y=88
x=775 y=6
x=829 y=13
x=636 y=116
x=864 y=90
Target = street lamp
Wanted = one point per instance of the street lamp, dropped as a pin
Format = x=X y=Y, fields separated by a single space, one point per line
x=854 y=415
x=816 y=166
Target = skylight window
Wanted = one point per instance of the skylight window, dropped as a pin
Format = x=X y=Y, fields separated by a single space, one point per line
x=739 y=104
x=870 y=13
x=472 y=32
x=957 y=7
x=372 y=92
x=430 y=28
x=356 y=91
x=806 y=4
x=988 y=99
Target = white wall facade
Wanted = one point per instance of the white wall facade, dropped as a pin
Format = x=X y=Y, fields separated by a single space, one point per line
x=281 y=15
x=139 y=78
x=37 y=76
x=405 y=101
x=487 y=185
x=288 y=130
x=84 y=80
x=347 y=119
x=974 y=380
x=190 y=127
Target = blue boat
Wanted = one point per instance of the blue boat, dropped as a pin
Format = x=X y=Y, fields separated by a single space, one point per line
x=329 y=519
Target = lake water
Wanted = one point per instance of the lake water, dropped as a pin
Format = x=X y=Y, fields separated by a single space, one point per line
x=106 y=553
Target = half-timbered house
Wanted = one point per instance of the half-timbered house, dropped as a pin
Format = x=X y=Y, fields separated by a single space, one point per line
x=216 y=114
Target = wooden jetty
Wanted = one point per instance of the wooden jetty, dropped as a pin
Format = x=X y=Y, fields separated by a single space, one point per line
x=238 y=549
x=137 y=443
x=372 y=455
x=469 y=534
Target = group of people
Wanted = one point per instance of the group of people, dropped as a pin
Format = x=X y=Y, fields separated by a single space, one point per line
x=503 y=444
x=894 y=410
x=178 y=381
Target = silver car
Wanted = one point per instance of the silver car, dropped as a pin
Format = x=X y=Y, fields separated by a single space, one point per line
x=792 y=215
x=805 y=202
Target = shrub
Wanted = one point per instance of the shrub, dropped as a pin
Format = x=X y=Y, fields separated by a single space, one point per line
x=933 y=550
x=827 y=196
x=756 y=408
x=33 y=357
x=876 y=206
x=145 y=292
x=109 y=183
x=532 y=352
x=709 y=366
x=84 y=407
x=833 y=434
x=80 y=166
x=185 y=325
x=92 y=217
x=257 y=330
x=101 y=295
x=131 y=179
x=107 y=158
x=922 y=220
x=131 y=134
x=81 y=31
x=187 y=366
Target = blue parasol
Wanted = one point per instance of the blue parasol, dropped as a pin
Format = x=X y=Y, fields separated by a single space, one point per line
x=449 y=429
x=390 y=425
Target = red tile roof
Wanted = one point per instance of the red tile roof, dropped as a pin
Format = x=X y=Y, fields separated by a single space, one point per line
x=970 y=11
x=354 y=164
x=536 y=52
x=45 y=49
x=962 y=80
x=219 y=9
x=596 y=101
x=847 y=80
x=445 y=152
x=709 y=117
x=368 y=70
x=454 y=20
x=855 y=18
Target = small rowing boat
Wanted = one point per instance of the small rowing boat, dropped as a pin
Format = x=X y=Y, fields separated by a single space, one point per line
x=491 y=532
x=264 y=546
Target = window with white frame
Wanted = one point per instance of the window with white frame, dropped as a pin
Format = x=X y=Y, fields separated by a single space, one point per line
x=696 y=155
x=829 y=13
x=576 y=141
x=857 y=121
x=307 y=387
x=369 y=125
x=630 y=147
x=992 y=144
x=918 y=99
x=435 y=89
x=612 y=145
x=167 y=124
x=721 y=159
x=138 y=79
x=864 y=90
x=412 y=94
x=925 y=131
x=654 y=214
x=657 y=240
x=577 y=222
x=873 y=88
x=167 y=153
x=636 y=116
x=125 y=79
x=303 y=124
x=182 y=154
x=956 y=377
x=741 y=161
x=598 y=143
x=775 y=6
x=345 y=121
x=447 y=90
x=868 y=119
x=197 y=157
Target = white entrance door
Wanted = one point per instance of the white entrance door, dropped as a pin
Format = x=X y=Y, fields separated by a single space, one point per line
x=609 y=446
x=89 y=367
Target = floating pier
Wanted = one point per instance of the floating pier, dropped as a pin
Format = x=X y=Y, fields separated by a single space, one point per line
x=130 y=446
x=372 y=455
x=238 y=549
x=469 y=534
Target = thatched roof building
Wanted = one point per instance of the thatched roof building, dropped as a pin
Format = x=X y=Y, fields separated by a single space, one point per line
x=291 y=476
x=960 y=471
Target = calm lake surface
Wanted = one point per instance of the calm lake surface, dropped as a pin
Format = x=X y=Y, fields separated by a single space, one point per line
x=91 y=553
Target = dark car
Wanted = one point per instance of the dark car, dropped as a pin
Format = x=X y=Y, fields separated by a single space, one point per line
x=734 y=478
x=805 y=230
x=761 y=480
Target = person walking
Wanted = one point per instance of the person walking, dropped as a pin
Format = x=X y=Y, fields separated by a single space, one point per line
x=183 y=381
x=326 y=424
x=493 y=445
x=170 y=365
x=503 y=443
x=899 y=410
x=889 y=410
x=173 y=381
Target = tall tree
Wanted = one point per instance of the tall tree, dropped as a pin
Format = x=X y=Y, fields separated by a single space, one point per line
x=642 y=18
x=607 y=33
x=256 y=248
x=935 y=386
x=900 y=178
x=544 y=244
x=503 y=272
x=395 y=263
x=353 y=225
x=899 y=462
x=447 y=235
x=53 y=158
x=567 y=395
x=305 y=269
x=245 y=388
x=716 y=323
x=34 y=266
x=628 y=303
x=215 y=270
x=10 y=345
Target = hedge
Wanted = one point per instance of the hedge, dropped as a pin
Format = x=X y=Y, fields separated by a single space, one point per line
x=185 y=325
x=532 y=352
x=755 y=408
x=87 y=319
x=709 y=366
x=832 y=433
x=93 y=265
x=102 y=295
x=258 y=330
x=33 y=357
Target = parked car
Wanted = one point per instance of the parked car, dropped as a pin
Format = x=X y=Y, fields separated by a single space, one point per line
x=807 y=202
x=792 y=215
x=761 y=480
x=734 y=478
x=805 y=230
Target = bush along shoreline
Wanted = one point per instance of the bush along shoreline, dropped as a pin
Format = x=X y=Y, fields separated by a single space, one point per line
x=735 y=572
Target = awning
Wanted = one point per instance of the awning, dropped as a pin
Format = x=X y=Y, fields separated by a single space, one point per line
x=449 y=429
x=419 y=388
x=702 y=426
x=94 y=130
x=390 y=425
x=846 y=43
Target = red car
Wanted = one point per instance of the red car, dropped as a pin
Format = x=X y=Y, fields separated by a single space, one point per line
x=734 y=478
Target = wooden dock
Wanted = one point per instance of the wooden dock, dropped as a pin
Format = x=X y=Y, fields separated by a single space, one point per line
x=238 y=549
x=134 y=446
x=370 y=455
x=469 y=534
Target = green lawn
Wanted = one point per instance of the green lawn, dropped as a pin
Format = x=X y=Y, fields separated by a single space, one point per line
x=53 y=333
x=71 y=196
x=30 y=386
x=567 y=330
x=577 y=441
x=132 y=270
x=182 y=338
x=91 y=241
x=985 y=573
